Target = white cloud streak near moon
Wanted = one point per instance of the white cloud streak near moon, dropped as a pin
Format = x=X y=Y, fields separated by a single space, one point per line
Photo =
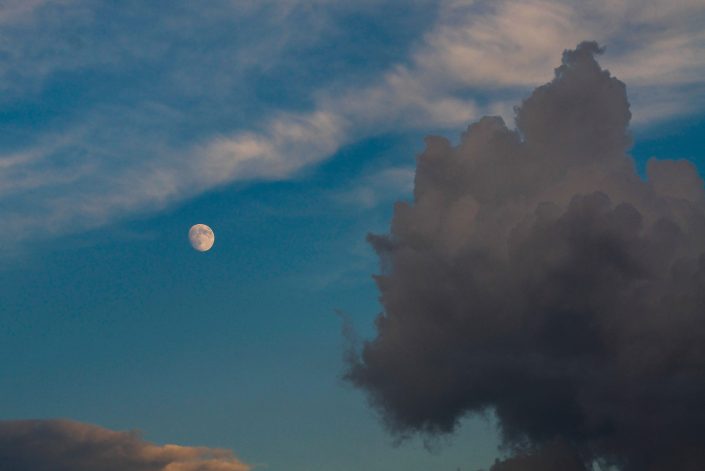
x=497 y=50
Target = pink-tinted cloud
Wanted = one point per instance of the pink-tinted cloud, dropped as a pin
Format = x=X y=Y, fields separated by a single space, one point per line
x=62 y=445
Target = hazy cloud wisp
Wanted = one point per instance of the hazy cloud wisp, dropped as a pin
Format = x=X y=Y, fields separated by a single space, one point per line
x=159 y=144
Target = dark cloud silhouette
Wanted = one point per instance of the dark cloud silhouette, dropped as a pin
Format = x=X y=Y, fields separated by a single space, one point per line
x=536 y=275
x=59 y=445
x=553 y=457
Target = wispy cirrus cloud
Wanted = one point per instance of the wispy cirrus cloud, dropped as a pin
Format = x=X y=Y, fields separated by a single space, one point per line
x=381 y=186
x=131 y=110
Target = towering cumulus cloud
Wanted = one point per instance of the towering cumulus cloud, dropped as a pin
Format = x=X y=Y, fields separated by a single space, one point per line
x=538 y=276
x=54 y=445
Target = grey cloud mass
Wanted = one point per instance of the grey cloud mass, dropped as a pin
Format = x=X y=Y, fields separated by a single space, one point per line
x=59 y=445
x=538 y=276
x=553 y=457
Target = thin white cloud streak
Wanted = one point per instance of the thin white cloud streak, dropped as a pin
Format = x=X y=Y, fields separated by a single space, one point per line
x=650 y=45
x=12 y=11
x=480 y=57
x=380 y=186
x=503 y=48
x=290 y=143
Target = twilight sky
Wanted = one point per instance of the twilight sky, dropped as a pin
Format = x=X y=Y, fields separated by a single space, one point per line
x=291 y=128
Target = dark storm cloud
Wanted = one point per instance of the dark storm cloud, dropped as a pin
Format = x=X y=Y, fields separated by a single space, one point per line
x=537 y=275
x=58 y=445
x=553 y=457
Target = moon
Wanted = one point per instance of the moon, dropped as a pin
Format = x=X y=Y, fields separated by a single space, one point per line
x=201 y=237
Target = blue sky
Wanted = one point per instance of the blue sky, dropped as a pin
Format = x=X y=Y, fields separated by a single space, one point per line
x=290 y=128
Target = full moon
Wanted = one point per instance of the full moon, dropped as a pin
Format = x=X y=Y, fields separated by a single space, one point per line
x=201 y=237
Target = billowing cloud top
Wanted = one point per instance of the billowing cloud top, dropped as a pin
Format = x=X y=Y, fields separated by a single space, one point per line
x=536 y=274
x=59 y=445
